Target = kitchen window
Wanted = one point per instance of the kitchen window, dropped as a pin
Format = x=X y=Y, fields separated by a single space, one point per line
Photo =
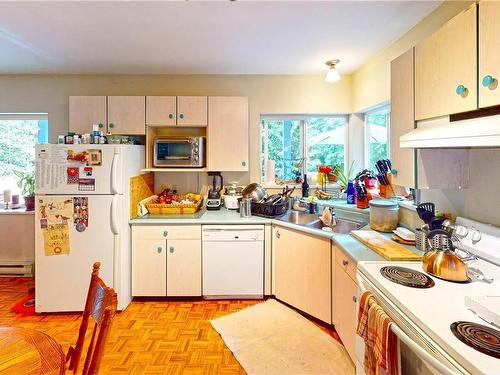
x=19 y=133
x=299 y=144
x=377 y=124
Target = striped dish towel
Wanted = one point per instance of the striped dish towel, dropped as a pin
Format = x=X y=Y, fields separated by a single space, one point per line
x=381 y=344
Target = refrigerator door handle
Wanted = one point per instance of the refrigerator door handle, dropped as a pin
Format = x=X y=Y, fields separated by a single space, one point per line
x=114 y=215
x=114 y=172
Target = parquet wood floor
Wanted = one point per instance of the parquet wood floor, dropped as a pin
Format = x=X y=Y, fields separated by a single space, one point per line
x=149 y=337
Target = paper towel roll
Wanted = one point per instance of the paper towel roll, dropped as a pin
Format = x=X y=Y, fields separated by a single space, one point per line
x=270 y=171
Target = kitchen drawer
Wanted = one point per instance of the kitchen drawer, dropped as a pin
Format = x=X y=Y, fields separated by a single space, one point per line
x=345 y=262
x=170 y=232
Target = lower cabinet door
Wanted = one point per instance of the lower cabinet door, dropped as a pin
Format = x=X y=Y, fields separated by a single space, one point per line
x=345 y=310
x=149 y=268
x=183 y=268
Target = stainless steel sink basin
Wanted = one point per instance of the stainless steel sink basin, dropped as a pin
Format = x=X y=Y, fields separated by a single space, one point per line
x=343 y=226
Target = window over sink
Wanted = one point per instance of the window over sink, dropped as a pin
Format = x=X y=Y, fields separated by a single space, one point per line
x=377 y=135
x=299 y=144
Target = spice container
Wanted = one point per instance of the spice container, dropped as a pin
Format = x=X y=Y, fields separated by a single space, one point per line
x=383 y=215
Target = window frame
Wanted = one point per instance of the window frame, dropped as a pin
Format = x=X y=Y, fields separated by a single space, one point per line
x=303 y=118
x=366 y=147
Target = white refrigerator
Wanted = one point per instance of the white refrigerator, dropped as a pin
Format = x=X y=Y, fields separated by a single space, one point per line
x=82 y=211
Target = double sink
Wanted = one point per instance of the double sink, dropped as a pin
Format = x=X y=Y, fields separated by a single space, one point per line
x=343 y=226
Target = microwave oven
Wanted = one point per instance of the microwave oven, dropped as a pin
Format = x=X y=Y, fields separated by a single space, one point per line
x=179 y=152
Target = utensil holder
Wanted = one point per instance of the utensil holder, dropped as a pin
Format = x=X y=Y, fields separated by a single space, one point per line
x=421 y=242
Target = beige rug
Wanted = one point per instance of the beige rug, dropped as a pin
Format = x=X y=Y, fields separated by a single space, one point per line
x=270 y=338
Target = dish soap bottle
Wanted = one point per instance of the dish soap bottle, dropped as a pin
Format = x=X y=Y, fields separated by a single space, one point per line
x=305 y=187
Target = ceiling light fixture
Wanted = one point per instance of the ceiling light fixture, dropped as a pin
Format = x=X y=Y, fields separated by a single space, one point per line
x=333 y=74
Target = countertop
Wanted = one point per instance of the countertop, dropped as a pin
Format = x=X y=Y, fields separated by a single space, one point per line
x=352 y=247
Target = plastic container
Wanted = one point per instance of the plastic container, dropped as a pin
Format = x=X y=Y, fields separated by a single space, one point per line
x=383 y=215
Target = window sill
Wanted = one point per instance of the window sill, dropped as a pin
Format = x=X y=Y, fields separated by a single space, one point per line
x=17 y=211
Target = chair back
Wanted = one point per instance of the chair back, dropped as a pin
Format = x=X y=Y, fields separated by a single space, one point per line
x=101 y=306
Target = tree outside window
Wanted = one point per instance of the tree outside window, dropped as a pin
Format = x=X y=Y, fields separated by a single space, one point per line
x=377 y=131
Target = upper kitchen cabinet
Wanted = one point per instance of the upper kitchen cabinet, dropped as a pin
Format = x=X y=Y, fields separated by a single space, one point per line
x=402 y=118
x=192 y=111
x=446 y=68
x=489 y=53
x=85 y=111
x=127 y=115
x=227 y=133
x=161 y=110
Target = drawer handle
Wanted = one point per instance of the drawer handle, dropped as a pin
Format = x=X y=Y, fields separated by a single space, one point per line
x=165 y=233
x=354 y=299
x=490 y=82
x=278 y=235
x=159 y=249
x=345 y=262
x=462 y=91
x=172 y=249
x=170 y=116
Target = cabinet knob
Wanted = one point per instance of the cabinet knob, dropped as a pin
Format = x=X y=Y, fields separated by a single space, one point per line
x=181 y=115
x=111 y=125
x=165 y=233
x=462 y=91
x=354 y=299
x=490 y=82
x=172 y=249
x=243 y=163
x=170 y=116
x=278 y=235
x=159 y=249
x=345 y=262
x=101 y=125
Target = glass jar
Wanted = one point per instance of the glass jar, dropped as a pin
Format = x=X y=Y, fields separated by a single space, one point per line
x=384 y=215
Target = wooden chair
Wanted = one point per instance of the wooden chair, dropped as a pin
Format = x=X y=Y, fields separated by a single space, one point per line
x=101 y=306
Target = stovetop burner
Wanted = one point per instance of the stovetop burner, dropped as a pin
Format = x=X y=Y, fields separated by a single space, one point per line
x=480 y=337
x=407 y=277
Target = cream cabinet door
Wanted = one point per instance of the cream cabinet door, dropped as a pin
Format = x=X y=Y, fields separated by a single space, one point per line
x=161 y=110
x=227 y=134
x=149 y=267
x=303 y=272
x=183 y=268
x=402 y=118
x=85 y=111
x=192 y=111
x=346 y=310
x=446 y=68
x=489 y=53
x=127 y=115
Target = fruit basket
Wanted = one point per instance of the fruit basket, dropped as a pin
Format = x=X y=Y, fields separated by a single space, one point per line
x=175 y=204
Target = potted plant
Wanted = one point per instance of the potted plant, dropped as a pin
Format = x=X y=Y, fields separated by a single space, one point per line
x=27 y=185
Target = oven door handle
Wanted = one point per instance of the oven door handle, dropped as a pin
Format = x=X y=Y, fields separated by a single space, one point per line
x=423 y=354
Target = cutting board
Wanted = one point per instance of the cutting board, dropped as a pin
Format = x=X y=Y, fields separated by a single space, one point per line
x=383 y=246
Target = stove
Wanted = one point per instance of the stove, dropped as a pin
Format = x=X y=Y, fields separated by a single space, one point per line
x=425 y=309
x=480 y=337
x=407 y=277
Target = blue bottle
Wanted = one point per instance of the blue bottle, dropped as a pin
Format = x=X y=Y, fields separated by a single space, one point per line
x=350 y=193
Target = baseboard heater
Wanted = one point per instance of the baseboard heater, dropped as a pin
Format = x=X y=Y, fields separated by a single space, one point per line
x=16 y=269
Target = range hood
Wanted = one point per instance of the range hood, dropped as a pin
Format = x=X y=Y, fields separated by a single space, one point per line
x=443 y=133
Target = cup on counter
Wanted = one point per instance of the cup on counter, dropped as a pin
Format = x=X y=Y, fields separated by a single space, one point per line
x=246 y=207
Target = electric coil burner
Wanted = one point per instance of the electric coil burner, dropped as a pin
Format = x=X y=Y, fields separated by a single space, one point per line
x=407 y=277
x=477 y=336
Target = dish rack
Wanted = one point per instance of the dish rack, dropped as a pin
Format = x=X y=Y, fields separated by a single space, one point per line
x=269 y=210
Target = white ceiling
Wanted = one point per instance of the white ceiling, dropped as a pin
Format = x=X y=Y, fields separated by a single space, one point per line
x=199 y=37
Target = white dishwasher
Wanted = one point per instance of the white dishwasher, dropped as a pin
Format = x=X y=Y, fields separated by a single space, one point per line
x=233 y=261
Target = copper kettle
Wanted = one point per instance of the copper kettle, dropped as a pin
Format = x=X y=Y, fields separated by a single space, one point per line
x=442 y=261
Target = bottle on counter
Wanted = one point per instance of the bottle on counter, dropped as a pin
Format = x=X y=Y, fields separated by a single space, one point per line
x=305 y=187
x=350 y=193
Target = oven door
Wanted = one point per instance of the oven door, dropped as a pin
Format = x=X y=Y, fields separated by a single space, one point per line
x=419 y=354
x=173 y=153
